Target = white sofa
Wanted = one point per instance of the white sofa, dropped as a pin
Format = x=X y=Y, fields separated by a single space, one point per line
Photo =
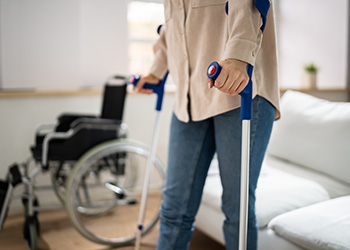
x=303 y=194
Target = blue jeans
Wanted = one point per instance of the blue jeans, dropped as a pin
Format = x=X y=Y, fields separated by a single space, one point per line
x=191 y=149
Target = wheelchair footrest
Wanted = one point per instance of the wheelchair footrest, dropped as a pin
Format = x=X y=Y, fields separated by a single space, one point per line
x=15 y=175
x=5 y=194
x=14 y=178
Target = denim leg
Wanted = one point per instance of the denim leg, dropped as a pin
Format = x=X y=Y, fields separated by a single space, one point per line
x=228 y=132
x=191 y=150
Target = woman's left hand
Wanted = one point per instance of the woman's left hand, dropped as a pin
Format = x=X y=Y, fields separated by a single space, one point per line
x=233 y=77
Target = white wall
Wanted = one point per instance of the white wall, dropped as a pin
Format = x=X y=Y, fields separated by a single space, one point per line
x=49 y=44
x=313 y=31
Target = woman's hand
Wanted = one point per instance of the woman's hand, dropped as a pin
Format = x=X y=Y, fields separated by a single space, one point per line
x=233 y=77
x=146 y=79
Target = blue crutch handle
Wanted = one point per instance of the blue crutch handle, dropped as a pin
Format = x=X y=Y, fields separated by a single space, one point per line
x=157 y=88
x=263 y=7
x=246 y=94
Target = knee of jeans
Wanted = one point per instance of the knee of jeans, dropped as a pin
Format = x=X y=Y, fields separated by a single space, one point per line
x=176 y=219
x=170 y=212
x=231 y=214
x=176 y=215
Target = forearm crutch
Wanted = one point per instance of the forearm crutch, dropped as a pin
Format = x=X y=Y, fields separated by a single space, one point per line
x=246 y=116
x=159 y=90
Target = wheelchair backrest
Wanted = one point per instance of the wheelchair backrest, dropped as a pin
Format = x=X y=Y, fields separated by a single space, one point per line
x=114 y=98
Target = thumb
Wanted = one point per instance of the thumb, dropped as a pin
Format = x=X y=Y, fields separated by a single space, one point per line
x=210 y=82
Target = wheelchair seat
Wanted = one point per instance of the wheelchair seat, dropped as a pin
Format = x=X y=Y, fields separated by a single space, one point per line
x=74 y=134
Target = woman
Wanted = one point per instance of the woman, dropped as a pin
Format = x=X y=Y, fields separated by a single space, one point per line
x=206 y=117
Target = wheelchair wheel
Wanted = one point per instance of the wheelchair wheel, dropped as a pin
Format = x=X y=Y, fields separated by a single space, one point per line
x=104 y=190
x=31 y=226
x=31 y=232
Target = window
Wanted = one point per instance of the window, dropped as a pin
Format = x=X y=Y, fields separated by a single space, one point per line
x=144 y=17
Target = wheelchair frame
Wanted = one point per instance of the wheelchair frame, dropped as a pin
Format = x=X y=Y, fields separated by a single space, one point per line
x=44 y=164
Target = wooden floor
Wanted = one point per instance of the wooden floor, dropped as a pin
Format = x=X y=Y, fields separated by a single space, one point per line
x=58 y=234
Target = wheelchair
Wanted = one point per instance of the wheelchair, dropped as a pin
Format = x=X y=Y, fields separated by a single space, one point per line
x=97 y=174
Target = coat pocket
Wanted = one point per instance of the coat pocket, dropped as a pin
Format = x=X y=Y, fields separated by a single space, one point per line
x=202 y=3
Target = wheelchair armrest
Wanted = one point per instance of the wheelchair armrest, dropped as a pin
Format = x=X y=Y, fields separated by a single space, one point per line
x=51 y=136
x=48 y=127
x=95 y=122
x=65 y=120
x=75 y=115
x=77 y=125
x=41 y=130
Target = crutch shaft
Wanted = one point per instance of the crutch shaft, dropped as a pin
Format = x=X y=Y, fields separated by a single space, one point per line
x=244 y=196
x=146 y=182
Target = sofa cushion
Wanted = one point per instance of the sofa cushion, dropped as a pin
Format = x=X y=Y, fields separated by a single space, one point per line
x=279 y=192
x=333 y=186
x=314 y=133
x=325 y=225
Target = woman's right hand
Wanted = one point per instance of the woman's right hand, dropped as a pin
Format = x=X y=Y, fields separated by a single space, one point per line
x=233 y=77
x=151 y=79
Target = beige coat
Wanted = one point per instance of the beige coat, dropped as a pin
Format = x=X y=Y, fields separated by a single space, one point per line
x=198 y=32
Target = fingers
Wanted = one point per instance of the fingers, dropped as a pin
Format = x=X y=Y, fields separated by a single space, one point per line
x=231 y=83
x=144 y=91
x=237 y=84
x=139 y=87
x=222 y=80
x=233 y=77
x=241 y=86
x=150 y=79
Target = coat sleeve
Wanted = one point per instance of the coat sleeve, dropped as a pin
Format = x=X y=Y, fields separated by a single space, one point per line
x=160 y=63
x=244 y=22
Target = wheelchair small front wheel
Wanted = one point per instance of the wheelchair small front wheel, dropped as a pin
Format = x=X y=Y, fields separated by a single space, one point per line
x=104 y=190
x=31 y=232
